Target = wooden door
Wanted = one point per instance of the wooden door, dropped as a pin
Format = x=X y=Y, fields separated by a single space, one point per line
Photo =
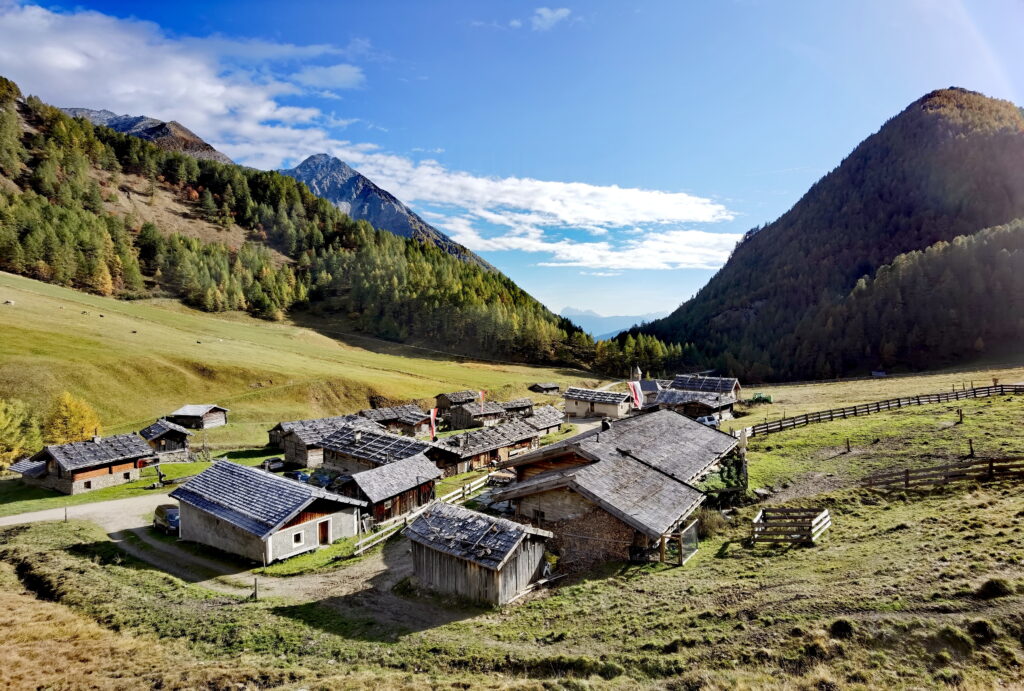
x=324 y=529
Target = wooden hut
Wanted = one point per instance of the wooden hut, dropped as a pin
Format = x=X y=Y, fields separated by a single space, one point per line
x=393 y=489
x=695 y=404
x=546 y=419
x=698 y=382
x=276 y=434
x=548 y=388
x=199 y=416
x=593 y=403
x=469 y=415
x=409 y=420
x=480 y=448
x=445 y=401
x=168 y=440
x=350 y=450
x=518 y=407
x=615 y=492
x=302 y=442
x=83 y=466
x=474 y=556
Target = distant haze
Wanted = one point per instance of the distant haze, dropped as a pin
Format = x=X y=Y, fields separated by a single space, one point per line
x=600 y=326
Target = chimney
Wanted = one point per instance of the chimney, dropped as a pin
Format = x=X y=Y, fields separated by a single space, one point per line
x=606 y=424
x=359 y=436
x=96 y=439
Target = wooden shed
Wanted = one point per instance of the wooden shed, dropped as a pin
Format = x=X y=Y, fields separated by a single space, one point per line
x=409 y=420
x=168 y=440
x=474 y=556
x=548 y=388
x=393 y=489
x=546 y=419
x=469 y=415
x=518 y=407
x=482 y=447
x=199 y=416
x=444 y=401
x=695 y=404
x=699 y=382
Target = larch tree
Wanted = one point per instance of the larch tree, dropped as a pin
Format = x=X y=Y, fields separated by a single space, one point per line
x=71 y=419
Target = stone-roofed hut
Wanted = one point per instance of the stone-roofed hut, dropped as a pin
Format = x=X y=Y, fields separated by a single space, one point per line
x=301 y=439
x=474 y=556
x=261 y=516
x=698 y=382
x=482 y=414
x=546 y=419
x=695 y=404
x=409 y=420
x=199 y=416
x=276 y=434
x=480 y=448
x=518 y=407
x=83 y=466
x=393 y=489
x=548 y=388
x=614 y=492
x=594 y=403
x=350 y=450
x=445 y=401
x=168 y=440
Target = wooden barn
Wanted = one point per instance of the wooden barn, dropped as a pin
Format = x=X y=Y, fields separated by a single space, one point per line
x=199 y=416
x=594 y=403
x=261 y=516
x=548 y=388
x=445 y=401
x=613 y=493
x=695 y=404
x=393 y=489
x=698 y=382
x=350 y=450
x=456 y=551
x=302 y=443
x=409 y=420
x=168 y=440
x=480 y=448
x=469 y=415
x=518 y=407
x=83 y=466
x=546 y=419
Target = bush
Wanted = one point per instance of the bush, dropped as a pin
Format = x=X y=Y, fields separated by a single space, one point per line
x=709 y=523
x=841 y=628
x=993 y=588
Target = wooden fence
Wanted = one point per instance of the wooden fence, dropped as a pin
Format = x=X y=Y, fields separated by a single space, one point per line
x=932 y=476
x=879 y=406
x=789 y=526
x=388 y=528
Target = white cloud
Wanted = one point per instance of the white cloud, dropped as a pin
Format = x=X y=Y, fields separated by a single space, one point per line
x=515 y=24
x=340 y=76
x=603 y=274
x=88 y=59
x=545 y=18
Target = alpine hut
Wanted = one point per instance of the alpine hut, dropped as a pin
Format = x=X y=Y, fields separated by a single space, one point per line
x=698 y=382
x=83 y=466
x=409 y=420
x=474 y=556
x=480 y=448
x=469 y=415
x=168 y=440
x=594 y=403
x=199 y=416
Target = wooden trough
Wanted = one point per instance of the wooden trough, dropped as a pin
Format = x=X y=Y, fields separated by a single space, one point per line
x=789 y=526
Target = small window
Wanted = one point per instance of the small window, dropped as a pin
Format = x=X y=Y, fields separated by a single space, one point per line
x=297 y=539
x=87 y=484
x=127 y=476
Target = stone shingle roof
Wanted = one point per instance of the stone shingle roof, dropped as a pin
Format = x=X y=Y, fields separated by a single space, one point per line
x=86 y=454
x=697 y=382
x=487 y=439
x=641 y=469
x=485 y=408
x=469 y=535
x=545 y=417
x=160 y=428
x=408 y=414
x=594 y=396
x=310 y=432
x=391 y=479
x=254 y=500
x=28 y=468
x=197 y=409
x=376 y=447
x=517 y=403
x=457 y=397
x=544 y=386
x=681 y=397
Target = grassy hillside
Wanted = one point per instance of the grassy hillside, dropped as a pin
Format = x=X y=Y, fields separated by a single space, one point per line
x=134 y=361
x=894 y=595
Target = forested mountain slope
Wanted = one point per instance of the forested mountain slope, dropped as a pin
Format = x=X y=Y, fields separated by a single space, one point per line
x=358 y=196
x=790 y=302
x=58 y=177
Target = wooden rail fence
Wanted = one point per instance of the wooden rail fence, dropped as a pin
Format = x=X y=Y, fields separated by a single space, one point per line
x=879 y=406
x=932 y=476
x=789 y=526
x=387 y=529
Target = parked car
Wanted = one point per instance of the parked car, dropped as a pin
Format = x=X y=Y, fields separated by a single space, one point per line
x=167 y=518
x=710 y=421
x=297 y=475
x=273 y=464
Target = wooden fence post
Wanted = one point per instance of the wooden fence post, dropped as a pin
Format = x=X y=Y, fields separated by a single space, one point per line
x=970 y=444
x=906 y=478
x=661 y=549
x=961 y=411
x=847 y=445
x=680 y=548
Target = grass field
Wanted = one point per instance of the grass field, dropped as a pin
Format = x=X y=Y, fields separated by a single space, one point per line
x=135 y=361
x=919 y=590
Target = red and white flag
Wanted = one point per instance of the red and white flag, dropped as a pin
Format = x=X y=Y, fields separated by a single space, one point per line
x=483 y=395
x=638 y=394
x=433 y=423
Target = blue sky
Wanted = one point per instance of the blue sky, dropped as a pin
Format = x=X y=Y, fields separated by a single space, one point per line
x=605 y=155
